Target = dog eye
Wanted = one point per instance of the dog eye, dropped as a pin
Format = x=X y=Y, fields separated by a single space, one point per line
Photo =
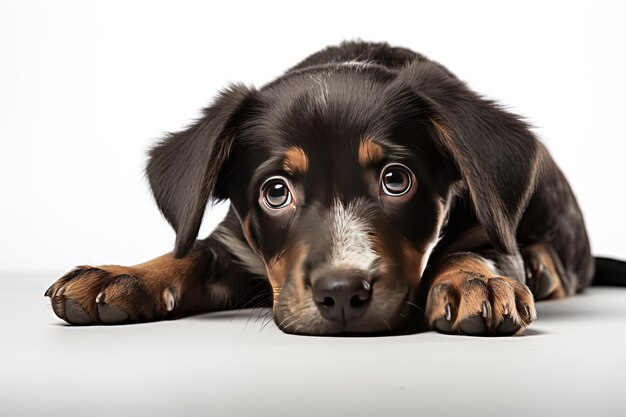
x=396 y=180
x=276 y=194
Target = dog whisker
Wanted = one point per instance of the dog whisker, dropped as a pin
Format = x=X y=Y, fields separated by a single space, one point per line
x=267 y=319
x=297 y=328
x=388 y=326
x=259 y=296
x=252 y=313
x=414 y=305
x=284 y=320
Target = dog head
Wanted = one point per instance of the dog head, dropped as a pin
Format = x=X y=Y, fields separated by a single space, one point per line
x=342 y=177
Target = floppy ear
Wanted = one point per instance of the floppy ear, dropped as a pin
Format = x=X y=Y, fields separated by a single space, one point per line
x=183 y=169
x=494 y=151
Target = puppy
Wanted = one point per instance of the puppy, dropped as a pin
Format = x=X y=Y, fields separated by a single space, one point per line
x=371 y=191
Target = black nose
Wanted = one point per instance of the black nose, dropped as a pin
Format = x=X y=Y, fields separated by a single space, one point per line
x=342 y=295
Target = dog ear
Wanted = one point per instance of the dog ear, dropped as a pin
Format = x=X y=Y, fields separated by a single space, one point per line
x=494 y=151
x=183 y=169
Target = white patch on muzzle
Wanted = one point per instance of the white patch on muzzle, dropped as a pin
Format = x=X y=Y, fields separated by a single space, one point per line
x=351 y=246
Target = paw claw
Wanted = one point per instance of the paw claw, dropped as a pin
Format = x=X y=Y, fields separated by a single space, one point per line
x=448 y=312
x=485 y=310
x=168 y=297
x=49 y=291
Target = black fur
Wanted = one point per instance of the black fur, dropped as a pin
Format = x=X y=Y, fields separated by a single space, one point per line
x=184 y=168
x=610 y=272
x=494 y=152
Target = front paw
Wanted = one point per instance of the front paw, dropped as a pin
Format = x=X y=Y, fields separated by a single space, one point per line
x=473 y=304
x=108 y=295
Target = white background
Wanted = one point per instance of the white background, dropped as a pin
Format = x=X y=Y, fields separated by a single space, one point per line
x=86 y=87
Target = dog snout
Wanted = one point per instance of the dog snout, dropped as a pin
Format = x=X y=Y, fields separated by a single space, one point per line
x=342 y=295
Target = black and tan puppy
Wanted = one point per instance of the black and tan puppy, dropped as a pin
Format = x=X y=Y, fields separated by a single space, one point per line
x=369 y=187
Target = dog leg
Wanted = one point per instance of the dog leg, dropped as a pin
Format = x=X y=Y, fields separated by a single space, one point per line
x=207 y=279
x=470 y=295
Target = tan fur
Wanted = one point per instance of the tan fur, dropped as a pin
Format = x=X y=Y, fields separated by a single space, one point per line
x=467 y=263
x=474 y=293
x=146 y=291
x=295 y=161
x=277 y=273
x=297 y=268
x=282 y=264
x=503 y=290
x=370 y=152
x=469 y=284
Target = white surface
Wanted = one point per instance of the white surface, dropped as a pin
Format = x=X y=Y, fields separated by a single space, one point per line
x=87 y=86
x=569 y=363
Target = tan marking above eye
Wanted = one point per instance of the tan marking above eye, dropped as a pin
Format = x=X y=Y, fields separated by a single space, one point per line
x=370 y=152
x=295 y=161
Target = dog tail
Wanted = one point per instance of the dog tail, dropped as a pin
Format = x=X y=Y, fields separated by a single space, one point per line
x=610 y=272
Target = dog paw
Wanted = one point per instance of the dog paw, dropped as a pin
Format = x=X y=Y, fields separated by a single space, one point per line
x=544 y=272
x=109 y=295
x=476 y=305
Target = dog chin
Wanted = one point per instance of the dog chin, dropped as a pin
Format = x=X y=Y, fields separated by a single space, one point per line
x=376 y=322
x=366 y=328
